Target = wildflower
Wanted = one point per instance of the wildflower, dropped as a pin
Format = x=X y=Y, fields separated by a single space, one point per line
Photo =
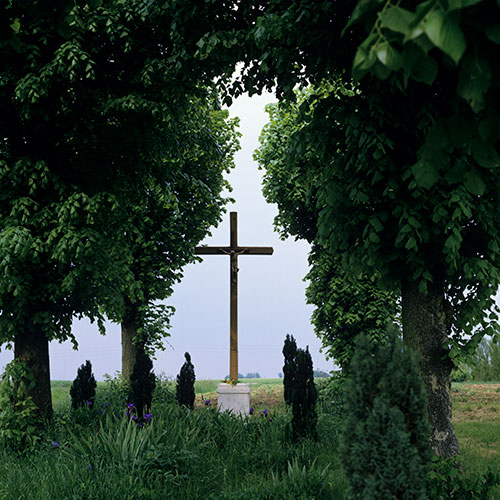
x=252 y=411
x=99 y=412
x=55 y=444
x=89 y=467
x=140 y=424
x=127 y=414
x=207 y=402
x=89 y=404
x=131 y=406
x=148 y=417
x=106 y=403
x=264 y=412
x=134 y=417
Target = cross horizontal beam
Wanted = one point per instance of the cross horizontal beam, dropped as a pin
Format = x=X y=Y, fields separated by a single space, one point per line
x=236 y=250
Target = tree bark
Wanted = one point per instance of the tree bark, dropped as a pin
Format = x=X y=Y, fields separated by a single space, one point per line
x=129 y=349
x=425 y=329
x=32 y=348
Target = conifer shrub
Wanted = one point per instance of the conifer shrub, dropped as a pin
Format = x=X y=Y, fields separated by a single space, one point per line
x=82 y=389
x=385 y=444
x=289 y=368
x=184 y=392
x=142 y=382
x=304 y=397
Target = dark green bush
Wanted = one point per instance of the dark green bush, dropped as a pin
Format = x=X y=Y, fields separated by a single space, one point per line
x=289 y=368
x=142 y=383
x=385 y=443
x=82 y=389
x=304 y=396
x=184 y=393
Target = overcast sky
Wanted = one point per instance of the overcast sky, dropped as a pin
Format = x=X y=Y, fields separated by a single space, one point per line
x=271 y=291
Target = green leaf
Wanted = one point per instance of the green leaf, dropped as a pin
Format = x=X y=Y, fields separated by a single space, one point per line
x=388 y=56
x=445 y=34
x=492 y=31
x=461 y=4
x=474 y=184
x=474 y=81
x=426 y=174
x=397 y=19
x=16 y=26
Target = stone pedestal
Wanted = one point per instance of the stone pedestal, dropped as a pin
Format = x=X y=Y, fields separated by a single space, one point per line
x=234 y=398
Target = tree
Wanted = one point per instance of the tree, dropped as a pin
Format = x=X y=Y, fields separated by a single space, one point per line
x=82 y=390
x=172 y=217
x=86 y=104
x=345 y=304
x=184 y=390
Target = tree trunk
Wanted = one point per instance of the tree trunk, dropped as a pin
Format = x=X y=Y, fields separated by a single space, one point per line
x=32 y=348
x=129 y=349
x=425 y=329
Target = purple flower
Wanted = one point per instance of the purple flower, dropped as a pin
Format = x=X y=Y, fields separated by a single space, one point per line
x=106 y=403
x=127 y=414
x=140 y=424
x=131 y=405
x=99 y=412
x=55 y=444
x=264 y=412
x=134 y=417
x=89 y=403
x=252 y=411
x=148 y=417
x=207 y=402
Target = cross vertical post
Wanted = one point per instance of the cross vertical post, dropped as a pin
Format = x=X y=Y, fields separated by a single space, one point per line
x=233 y=301
x=233 y=251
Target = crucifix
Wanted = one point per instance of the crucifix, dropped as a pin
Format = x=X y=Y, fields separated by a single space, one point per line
x=233 y=251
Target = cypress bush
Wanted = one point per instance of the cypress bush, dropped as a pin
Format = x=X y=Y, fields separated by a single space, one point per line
x=82 y=389
x=304 y=396
x=385 y=443
x=142 y=382
x=184 y=392
x=289 y=368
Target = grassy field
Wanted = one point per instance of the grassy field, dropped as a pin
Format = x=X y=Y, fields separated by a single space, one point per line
x=99 y=454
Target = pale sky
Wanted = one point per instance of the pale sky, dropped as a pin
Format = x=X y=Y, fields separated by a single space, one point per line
x=271 y=291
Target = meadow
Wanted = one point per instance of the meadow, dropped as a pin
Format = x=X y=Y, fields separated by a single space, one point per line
x=100 y=453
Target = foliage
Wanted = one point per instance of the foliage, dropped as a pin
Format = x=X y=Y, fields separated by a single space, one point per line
x=82 y=390
x=289 y=368
x=185 y=384
x=485 y=364
x=20 y=421
x=385 y=445
x=445 y=482
x=142 y=383
x=345 y=305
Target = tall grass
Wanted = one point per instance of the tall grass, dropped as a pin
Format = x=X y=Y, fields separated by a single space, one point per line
x=101 y=453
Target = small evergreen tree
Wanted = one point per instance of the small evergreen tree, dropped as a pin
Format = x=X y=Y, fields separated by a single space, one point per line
x=304 y=397
x=385 y=444
x=289 y=368
x=82 y=389
x=185 y=384
x=142 y=382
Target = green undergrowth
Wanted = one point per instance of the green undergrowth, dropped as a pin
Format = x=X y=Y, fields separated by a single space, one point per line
x=178 y=454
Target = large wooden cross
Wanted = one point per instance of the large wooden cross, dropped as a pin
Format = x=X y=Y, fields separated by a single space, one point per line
x=233 y=251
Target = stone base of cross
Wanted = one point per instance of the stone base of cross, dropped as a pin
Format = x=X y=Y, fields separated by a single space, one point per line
x=234 y=398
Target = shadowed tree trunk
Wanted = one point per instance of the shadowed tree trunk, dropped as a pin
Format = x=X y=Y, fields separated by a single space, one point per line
x=32 y=348
x=129 y=350
x=425 y=329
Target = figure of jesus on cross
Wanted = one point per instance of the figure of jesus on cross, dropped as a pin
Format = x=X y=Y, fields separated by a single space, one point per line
x=233 y=251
